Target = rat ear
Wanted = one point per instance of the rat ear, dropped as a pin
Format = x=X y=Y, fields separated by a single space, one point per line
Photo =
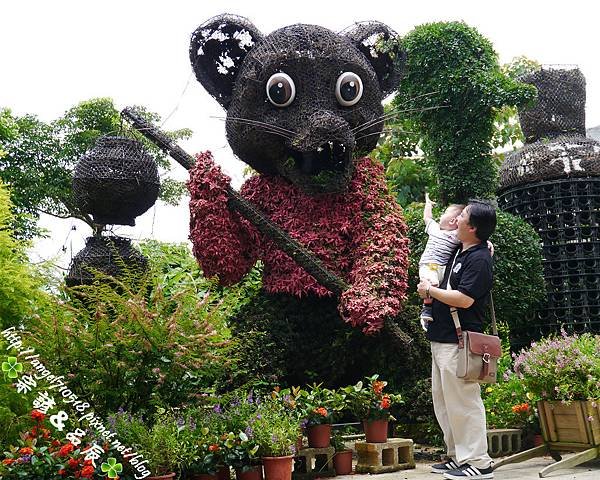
x=381 y=45
x=217 y=50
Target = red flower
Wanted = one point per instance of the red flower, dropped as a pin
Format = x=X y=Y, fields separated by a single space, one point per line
x=37 y=415
x=73 y=463
x=87 y=471
x=385 y=402
x=321 y=411
x=26 y=451
x=66 y=449
x=8 y=461
x=56 y=443
x=62 y=472
x=213 y=448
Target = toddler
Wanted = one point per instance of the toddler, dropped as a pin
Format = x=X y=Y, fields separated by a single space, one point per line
x=442 y=243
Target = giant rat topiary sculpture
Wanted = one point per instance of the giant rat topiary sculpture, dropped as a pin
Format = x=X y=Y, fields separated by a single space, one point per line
x=303 y=108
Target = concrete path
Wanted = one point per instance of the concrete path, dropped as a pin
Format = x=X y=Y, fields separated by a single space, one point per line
x=527 y=470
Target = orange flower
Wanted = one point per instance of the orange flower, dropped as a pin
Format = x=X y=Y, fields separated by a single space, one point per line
x=321 y=411
x=213 y=448
x=8 y=461
x=26 y=451
x=66 y=449
x=521 y=408
x=87 y=471
x=385 y=402
x=378 y=387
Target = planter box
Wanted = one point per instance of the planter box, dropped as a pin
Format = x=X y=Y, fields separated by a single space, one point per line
x=575 y=425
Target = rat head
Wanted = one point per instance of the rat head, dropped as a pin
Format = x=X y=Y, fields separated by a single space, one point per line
x=302 y=102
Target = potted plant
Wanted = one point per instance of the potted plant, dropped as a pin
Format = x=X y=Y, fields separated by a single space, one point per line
x=160 y=443
x=319 y=406
x=342 y=459
x=368 y=402
x=240 y=450
x=562 y=374
x=275 y=429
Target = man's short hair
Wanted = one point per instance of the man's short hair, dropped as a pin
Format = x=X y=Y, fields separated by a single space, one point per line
x=482 y=216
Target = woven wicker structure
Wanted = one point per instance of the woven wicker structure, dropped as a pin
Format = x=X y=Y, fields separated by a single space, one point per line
x=113 y=256
x=554 y=185
x=116 y=181
x=560 y=108
x=324 y=108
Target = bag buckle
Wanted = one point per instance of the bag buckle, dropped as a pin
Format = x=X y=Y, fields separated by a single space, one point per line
x=486 y=357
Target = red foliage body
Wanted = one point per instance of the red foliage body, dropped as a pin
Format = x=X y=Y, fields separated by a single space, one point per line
x=360 y=235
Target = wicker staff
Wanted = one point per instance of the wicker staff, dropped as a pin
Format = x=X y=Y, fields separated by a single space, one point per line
x=300 y=254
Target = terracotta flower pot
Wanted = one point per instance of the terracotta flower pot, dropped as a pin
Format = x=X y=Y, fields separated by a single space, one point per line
x=278 y=468
x=168 y=476
x=319 y=436
x=342 y=462
x=204 y=476
x=376 y=431
x=223 y=473
x=254 y=473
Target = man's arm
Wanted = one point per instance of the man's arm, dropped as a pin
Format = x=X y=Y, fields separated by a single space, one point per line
x=453 y=298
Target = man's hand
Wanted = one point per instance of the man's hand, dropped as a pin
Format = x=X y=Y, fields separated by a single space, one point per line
x=422 y=288
x=490 y=246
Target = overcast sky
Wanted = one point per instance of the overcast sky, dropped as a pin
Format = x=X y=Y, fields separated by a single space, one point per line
x=57 y=53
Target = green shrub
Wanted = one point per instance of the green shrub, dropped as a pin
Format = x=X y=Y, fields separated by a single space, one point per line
x=283 y=339
x=158 y=341
x=452 y=89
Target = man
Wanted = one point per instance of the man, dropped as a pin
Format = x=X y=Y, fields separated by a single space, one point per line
x=457 y=403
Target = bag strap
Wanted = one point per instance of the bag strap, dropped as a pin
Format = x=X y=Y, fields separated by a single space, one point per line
x=454 y=311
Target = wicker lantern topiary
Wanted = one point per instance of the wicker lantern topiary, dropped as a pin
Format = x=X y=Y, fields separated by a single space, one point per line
x=111 y=256
x=116 y=181
x=553 y=183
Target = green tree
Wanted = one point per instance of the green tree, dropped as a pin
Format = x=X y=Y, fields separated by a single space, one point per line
x=20 y=283
x=37 y=159
x=449 y=101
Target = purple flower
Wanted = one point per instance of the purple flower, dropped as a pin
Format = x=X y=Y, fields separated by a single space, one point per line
x=304 y=423
x=249 y=432
x=293 y=449
x=180 y=422
x=217 y=409
x=274 y=438
x=192 y=424
x=250 y=398
x=258 y=416
x=25 y=459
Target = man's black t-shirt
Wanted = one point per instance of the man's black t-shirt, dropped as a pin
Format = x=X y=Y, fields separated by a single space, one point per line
x=471 y=275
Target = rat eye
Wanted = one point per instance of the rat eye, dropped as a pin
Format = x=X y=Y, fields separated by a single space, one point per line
x=348 y=89
x=281 y=89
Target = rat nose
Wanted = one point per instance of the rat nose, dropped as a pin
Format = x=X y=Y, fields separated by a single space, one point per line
x=321 y=127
